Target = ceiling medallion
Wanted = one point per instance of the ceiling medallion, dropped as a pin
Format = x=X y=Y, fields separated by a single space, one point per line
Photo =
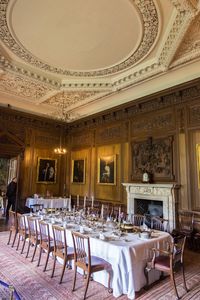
x=150 y=20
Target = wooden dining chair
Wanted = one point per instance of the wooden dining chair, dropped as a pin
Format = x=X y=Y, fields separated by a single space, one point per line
x=168 y=261
x=186 y=222
x=85 y=261
x=46 y=242
x=22 y=231
x=161 y=224
x=13 y=227
x=137 y=219
x=33 y=236
x=61 y=249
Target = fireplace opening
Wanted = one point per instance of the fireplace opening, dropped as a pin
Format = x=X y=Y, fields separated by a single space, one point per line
x=150 y=207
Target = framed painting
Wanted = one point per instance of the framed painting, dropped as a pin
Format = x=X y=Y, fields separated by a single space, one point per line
x=78 y=171
x=198 y=163
x=107 y=170
x=46 y=170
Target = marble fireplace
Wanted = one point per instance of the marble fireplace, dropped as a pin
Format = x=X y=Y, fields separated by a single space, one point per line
x=163 y=194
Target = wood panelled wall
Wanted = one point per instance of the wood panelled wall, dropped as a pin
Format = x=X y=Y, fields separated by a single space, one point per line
x=173 y=113
x=39 y=137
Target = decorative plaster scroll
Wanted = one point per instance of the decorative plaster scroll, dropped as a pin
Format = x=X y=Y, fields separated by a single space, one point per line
x=68 y=99
x=190 y=46
x=178 y=30
x=150 y=20
x=22 y=87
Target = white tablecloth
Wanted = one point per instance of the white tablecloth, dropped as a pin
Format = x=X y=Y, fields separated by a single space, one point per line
x=128 y=260
x=50 y=202
x=127 y=255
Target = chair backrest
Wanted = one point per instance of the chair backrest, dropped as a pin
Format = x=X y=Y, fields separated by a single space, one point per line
x=186 y=220
x=12 y=220
x=60 y=241
x=137 y=219
x=32 y=227
x=159 y=224
x=82 y=256
x=178 y=248
x=21 y=222
x=44 y=232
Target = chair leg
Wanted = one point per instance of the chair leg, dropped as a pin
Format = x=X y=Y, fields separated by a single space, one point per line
x=184 y=281
x=146 y=273
x=14 y=239
x=18 y=242
x=47 y=259
x=29 y=244
x=54 y=265
x=9 y=238
x=110 y=290
x=63 y=270
x=87 y=284
x=174 y=284
x=74 y=283
x=23 y=245
x=40 y=254
x=34 y=252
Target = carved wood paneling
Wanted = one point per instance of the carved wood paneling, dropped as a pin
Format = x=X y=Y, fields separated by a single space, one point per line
x=194 y=114
x=82 y=139
x=112 y=134
x=161 y=122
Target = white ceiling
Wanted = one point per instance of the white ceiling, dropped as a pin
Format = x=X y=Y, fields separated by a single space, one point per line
x=69 y=59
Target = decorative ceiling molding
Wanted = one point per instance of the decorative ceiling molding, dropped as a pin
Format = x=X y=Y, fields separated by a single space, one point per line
x=178 y=30
x=150 y=20
x=189 y=49
x=168 y=37
x=69 y=98
x=22 y=87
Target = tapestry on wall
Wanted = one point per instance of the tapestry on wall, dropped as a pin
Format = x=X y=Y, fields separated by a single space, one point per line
x=154 y=156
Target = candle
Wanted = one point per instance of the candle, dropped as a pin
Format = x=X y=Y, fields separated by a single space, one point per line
x=51 y=203
x=70 y=203
x=84 y=205
x=102 y=208
x=77 y=201
x=120 y=214
x=92 y=201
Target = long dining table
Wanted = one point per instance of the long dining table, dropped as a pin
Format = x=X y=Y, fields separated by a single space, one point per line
x=56 y=202
x=128 y=254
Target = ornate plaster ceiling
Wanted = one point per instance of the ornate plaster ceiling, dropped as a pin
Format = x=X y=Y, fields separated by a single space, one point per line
x=70 y=59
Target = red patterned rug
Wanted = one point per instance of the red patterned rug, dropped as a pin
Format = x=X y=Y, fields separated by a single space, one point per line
x=32 y=283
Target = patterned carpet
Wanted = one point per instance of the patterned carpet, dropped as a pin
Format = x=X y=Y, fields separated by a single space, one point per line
x=32 y=283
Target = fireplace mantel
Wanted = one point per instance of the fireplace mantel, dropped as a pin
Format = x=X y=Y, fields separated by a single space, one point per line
x=165 y=192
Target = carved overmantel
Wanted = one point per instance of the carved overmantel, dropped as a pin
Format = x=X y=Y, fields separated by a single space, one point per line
x=167 y=193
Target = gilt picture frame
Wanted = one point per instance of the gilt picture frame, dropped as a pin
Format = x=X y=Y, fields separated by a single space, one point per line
x=78 y=171
x=46 y=170
x=107 y=170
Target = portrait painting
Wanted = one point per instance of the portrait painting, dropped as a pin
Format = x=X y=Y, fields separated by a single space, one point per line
x=78 y=171
x=46 y=170
x=107 y=170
